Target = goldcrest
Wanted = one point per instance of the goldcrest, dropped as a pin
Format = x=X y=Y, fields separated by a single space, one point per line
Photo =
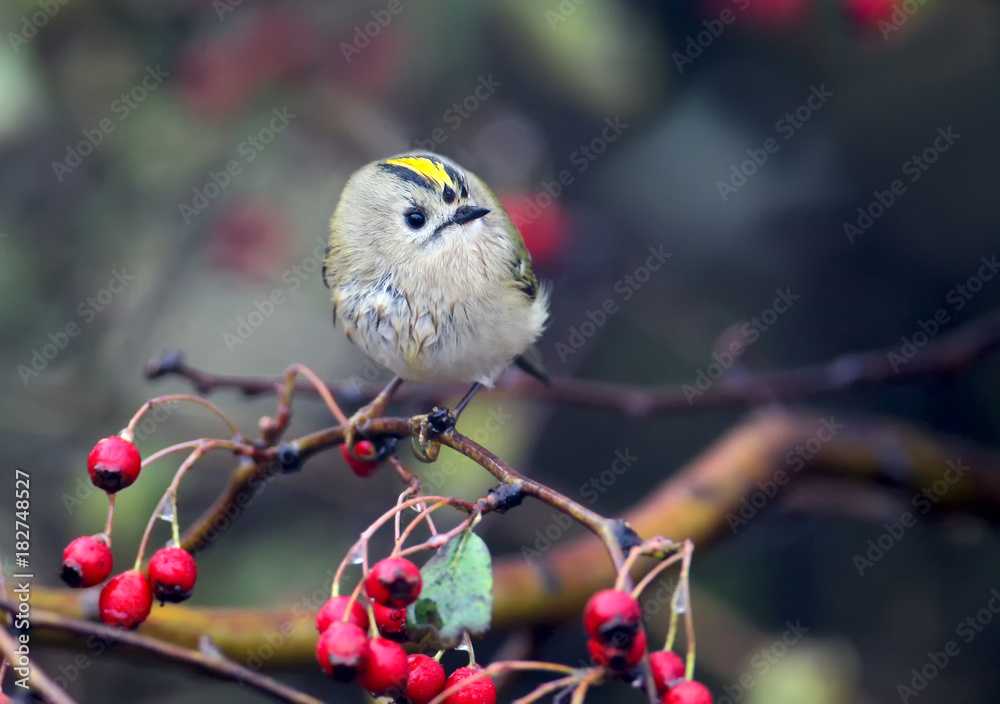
x=430 y=277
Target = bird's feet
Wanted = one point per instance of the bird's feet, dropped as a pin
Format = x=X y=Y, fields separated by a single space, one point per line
x=426 y=446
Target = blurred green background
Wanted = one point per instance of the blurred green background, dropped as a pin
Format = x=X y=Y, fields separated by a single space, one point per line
x=167 y=165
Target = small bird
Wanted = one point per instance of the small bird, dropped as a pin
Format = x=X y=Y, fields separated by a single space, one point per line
x=430 y=277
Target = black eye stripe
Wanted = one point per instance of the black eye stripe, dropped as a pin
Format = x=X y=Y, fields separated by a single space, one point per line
x=449 y=195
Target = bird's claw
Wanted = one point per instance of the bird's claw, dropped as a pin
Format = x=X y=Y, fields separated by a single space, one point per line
x=426 y=446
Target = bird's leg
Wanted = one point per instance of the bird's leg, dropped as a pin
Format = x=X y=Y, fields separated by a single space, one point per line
x=374 y=409
x=439 y=420
x=465 y=400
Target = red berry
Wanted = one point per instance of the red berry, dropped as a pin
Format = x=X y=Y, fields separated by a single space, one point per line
x=86 y=561
x=482 y=691
x=870 y=12
x=114 y=464
x=619 y=659
x=333 y=612
x=383 y=669
x=613 y=617
x=667 y=667
x=391 y=622
x=360 y=464
x=426 y=678
x=394 y=581
x=339 y=650
x=545 y=229
x=690 y=692
x=172 y=572
x=126 y=600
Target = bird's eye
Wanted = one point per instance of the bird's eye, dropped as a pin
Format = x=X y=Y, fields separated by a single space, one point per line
x=449 y=194
x=415 y=219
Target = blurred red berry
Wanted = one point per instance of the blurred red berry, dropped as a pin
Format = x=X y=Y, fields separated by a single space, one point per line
x=482 y=691
x=114 y=464
x=360 y=465
x=619 y=659
x=391 y=622
x=249 y=238
x=339 y=651
x=690 y=692
x=333 y=612
x=86 y=561
x=667 y=667
x=426 y=678
x=870 y=12
x=543 y=223
x=368 y=61
x=172 y=572
x=383 y=669
x=213 y=80
x=126 y=600
x=612 y=616
x=394 y=582
x=279 y=41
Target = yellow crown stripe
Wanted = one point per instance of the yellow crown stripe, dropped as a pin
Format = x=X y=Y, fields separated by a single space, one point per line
x=431 y=170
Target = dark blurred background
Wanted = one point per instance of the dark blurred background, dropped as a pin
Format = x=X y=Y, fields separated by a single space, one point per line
x=166 y=165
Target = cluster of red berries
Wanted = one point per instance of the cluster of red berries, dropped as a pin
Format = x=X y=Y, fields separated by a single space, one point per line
x=617 y=641
x=379 y=664
x=127 y=598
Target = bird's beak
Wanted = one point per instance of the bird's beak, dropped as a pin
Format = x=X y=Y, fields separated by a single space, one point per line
x=468 y=213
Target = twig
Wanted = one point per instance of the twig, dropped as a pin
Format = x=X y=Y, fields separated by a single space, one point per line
x=214 y=666
x=692 y=503
x=949 y=354
x=37 y=679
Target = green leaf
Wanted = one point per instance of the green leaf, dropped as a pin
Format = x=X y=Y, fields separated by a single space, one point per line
x=457 y=593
